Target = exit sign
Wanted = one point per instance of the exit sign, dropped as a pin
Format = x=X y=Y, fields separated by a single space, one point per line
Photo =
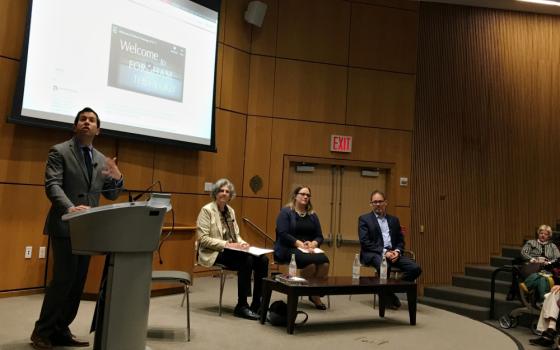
x=341 y=143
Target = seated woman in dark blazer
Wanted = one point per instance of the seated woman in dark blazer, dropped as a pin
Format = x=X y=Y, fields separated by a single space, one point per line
x=297 y=229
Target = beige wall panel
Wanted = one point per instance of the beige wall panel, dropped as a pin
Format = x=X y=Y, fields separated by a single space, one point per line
x=235 y=80
x=176 y=253
x=314 y=30
x=403 y=213
x=273 y=209
x=9 y=70
x=170 y=168
x=13 y=16
x=222 y=21
x=486 y=132
x=255 y=209
x=23 y=210
x=136 y=162
x=257 y=154
x=187 y=206
x=388 y=146
x=95 y=271
x=181 y=170
x=237 y=31
x=261 y=85
x=402 y=4
x=310 y=91
x=23 y=150
x=383 y=38
x=368 y=144
x=264 y=38
x=381 y=99
x=219 y=71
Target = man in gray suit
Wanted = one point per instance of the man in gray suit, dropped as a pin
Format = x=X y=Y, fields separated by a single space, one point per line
x=75 y=176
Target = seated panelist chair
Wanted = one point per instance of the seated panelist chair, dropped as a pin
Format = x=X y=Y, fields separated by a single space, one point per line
x=395 y=271
x=177 y=277
x=222 y=272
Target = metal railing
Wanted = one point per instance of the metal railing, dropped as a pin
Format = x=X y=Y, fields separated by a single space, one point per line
x=259 y=231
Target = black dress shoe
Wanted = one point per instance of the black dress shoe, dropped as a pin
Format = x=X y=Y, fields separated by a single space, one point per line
x=393 y=302
x=256 y=308
x=245 y=312
x=318 y=304
x=542 y=341
x=40 y=343
x=68 y=340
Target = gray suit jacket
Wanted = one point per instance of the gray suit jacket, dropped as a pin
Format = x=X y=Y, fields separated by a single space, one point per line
x=67 y=183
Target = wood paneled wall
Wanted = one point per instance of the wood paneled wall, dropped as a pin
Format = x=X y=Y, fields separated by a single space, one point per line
x=315 y=68
x=485 y=134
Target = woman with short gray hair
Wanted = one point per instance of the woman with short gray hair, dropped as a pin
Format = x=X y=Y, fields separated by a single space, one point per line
x=219 y=242
x=218 y=185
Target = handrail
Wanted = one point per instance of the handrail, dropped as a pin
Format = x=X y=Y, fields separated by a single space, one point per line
x=506 y=268
x=258 y=229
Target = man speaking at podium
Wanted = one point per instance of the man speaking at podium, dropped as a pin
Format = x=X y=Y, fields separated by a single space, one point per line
x=75 y=176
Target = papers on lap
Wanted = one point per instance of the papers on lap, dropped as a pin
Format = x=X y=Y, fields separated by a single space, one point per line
x=253 y=250
x=315 y=250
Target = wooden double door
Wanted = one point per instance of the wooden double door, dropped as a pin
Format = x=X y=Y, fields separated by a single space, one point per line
x=340 y=194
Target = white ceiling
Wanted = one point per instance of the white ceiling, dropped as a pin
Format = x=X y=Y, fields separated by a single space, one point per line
x=505 y=4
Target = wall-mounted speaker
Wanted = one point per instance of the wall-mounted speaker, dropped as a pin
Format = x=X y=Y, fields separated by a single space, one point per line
x=255 y=12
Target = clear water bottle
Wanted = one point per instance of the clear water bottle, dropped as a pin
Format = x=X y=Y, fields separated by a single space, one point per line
x=292 y=268
x=356 y=267
x=383 y=267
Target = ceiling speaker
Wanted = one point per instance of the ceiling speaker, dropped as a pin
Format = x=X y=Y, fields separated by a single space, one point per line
x=255 y=12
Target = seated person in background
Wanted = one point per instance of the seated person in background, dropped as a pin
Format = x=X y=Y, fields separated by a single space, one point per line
x=216 y=230
x=547 y=318
x=298 y=232
x=539 y=252
x=380 y=232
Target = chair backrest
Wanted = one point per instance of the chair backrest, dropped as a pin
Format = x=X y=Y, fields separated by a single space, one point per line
x=196 y=252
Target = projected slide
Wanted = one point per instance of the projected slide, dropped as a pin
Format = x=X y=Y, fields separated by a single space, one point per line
x=146 y=65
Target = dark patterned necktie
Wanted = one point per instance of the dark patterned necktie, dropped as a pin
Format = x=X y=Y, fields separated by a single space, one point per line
x=87 y=159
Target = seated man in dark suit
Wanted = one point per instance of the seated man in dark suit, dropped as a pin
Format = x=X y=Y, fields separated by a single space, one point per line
x=380 y=232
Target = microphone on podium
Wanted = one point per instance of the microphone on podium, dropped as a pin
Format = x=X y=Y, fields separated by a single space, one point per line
x=147 y=190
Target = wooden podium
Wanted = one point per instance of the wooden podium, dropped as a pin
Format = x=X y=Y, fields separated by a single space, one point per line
x=128 y=233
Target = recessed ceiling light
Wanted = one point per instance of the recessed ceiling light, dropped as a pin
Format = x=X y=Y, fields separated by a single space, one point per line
x=543 y=2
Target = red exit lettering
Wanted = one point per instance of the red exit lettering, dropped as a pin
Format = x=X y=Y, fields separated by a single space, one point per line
x=341 y=143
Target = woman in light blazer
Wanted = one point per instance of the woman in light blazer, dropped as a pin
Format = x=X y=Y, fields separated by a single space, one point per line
x=219 y=242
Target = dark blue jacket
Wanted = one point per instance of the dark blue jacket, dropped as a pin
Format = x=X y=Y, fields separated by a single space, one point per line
x=371 y=238
x=285 y=231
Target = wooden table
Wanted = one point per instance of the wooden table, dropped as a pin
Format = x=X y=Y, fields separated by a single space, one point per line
x=336 y=286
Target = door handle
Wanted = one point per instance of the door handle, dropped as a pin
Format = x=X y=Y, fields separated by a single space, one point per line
x=328 y=240
x=338 y=240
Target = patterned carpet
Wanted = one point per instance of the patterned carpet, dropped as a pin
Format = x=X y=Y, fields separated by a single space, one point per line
x=348 y=324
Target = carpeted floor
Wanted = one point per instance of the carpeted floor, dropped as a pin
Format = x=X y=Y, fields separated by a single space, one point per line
x=348 y=324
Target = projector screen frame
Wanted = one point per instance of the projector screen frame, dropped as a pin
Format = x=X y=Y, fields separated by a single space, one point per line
x=16 y=116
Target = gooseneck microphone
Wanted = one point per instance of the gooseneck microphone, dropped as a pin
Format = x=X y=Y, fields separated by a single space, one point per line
x=147 y=190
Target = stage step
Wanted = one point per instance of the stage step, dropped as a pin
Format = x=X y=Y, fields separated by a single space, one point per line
x=469 y=294
x=485 y=271
x=480 y=313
